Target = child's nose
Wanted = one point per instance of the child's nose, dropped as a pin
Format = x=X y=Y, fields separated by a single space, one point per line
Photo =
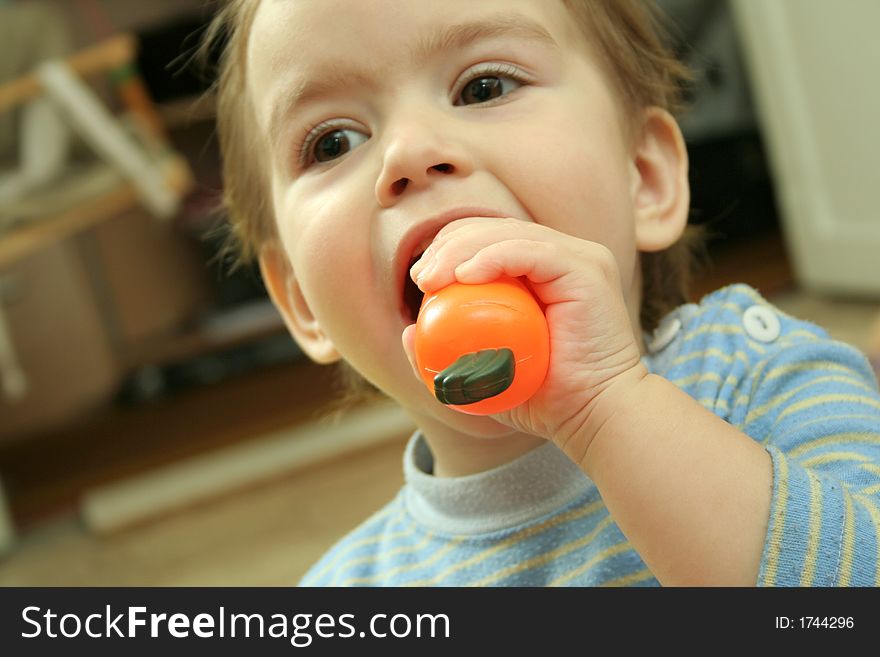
x=416 y=156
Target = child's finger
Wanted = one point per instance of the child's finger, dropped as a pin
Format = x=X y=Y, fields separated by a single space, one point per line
x=460 y=242
x=459 y=233
x=470 y=224
x=559 y=273
x=516 y=257
x=440 y=240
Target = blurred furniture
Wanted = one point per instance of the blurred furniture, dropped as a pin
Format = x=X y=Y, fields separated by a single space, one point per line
x=812 y=65
x=85 y=268
x=90 y=266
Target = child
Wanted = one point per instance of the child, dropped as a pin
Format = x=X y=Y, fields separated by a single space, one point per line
x=372 y=145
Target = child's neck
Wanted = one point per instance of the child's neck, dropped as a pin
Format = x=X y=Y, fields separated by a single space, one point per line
x=457 y=454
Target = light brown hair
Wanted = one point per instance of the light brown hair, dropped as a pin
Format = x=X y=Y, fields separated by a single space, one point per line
x=631 y=40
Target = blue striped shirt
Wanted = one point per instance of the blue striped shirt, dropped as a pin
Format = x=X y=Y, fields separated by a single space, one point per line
x=539 y=521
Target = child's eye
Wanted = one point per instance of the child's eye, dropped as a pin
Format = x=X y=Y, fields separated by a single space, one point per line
x=489 y=83
x=325 y=143
x=485 y=88
x=337 y=142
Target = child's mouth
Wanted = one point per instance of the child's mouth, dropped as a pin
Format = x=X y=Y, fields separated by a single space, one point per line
x=412 y=295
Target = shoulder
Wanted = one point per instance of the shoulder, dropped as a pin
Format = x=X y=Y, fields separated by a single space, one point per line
x=773 y=335
x=733 y=323
x=737 y=317
x=359 y=545
x=728 y=347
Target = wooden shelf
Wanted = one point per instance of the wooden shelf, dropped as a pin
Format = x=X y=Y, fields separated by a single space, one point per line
x=24 y=240
x=99 y=58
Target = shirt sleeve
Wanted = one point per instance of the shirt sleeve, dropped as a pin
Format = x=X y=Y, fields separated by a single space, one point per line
x=815 y=406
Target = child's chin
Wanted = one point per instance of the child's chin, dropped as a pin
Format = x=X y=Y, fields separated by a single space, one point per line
x=428 y=414
x=478 y=426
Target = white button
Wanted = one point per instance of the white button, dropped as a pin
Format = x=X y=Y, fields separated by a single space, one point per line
x=664 y=334
x=761 y=323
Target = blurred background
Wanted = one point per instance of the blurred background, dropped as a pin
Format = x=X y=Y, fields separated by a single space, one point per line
x=157 y=424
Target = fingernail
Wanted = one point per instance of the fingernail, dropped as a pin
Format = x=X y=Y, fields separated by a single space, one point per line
x=422 y=267
x=422 y=262
x=424 y=275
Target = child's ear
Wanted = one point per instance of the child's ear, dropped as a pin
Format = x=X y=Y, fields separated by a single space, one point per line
x=286 y=294
x=661 y=192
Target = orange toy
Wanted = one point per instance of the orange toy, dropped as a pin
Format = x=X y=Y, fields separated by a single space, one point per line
x=482 y=348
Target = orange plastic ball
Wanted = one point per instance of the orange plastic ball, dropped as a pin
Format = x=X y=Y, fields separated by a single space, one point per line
x=462 y=336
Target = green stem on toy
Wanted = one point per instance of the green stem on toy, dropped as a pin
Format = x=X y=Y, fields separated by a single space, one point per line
x=475 y=376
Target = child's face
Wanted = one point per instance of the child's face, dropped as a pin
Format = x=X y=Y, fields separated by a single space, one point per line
x=413 y=118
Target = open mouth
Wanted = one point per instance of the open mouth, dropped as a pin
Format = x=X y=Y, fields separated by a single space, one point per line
x=412 y=295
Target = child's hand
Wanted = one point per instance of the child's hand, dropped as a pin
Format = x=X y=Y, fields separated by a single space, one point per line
x=594 y=355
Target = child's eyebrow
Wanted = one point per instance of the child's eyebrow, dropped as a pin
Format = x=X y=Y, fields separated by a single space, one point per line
x=450 y=38
x=461 y=35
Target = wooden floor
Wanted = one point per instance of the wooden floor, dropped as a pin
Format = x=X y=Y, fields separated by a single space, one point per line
x=270 y=533
x=266 y=536
x=45 y=475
